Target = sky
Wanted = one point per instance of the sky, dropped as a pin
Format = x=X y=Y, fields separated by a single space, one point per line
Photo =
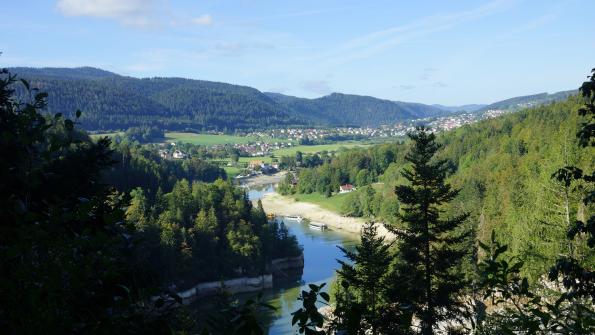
x=446 y=52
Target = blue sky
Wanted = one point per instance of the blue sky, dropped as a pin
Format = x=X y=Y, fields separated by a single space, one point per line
x=448 y=52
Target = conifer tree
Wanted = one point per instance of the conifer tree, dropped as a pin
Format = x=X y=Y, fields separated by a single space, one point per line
x=425 y=276
x=363 y=280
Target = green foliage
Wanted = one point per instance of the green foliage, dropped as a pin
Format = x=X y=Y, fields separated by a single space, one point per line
x=363 y=279
x=521 y=308
x=307 y=317
x=346 y=110
x=144 y=134
x=357 y=166
x=530 y=100
x=64 y=254
x=205 y=231
x=569 y=310
x=114 y=102
x=233 y=318
x=431 y=247
x=141 y=166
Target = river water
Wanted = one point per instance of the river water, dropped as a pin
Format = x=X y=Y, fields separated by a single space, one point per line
x=320 y=262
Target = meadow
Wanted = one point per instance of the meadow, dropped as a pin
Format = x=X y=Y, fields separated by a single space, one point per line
x=332 y=203
x=311 y=149
x=213 y=139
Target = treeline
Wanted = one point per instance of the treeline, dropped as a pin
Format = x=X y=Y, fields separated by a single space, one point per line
x=138 y=165
x=357 y=166
x=503 y=167
x=436 y=277
x=77 y=256
x=349 y=110
x=204 y=231
x=144 y=134
x=113 y=102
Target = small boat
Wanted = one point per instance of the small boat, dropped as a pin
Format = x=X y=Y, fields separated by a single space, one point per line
x=317 y=226
x=295 y=218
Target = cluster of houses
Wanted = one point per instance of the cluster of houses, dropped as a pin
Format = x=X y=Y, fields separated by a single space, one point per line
x=172 y=153
x=261 y=149
x=297 y=134
x=256 y=167
x=266 y=168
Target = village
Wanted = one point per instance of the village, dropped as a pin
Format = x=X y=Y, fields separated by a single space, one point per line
x=400 y=129
x=292 y=137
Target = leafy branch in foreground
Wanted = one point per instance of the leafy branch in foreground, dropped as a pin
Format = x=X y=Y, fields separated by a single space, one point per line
x=308 y=318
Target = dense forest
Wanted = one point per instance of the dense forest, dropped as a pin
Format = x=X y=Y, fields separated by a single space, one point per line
x=114 y=102
x=532 y=100
x=92 y=230
x=503 y=167
x=440 y=275
x=339 y=109
x=493 y=224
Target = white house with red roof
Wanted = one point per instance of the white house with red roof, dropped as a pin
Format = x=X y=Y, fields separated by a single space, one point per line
x=346 y=188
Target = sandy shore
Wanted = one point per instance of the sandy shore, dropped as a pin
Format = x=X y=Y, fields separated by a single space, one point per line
x=285 y=206
x=263 y=179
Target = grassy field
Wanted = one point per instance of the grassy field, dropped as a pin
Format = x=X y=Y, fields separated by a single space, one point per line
x=232 y=171
x=310 y=149
x=210 y=139
x=333 y=203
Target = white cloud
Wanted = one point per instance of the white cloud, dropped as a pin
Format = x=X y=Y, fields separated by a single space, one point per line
x=203 y=20
x=130 y=12
x=140 y=13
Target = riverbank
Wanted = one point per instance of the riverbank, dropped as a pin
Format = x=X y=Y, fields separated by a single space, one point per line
x=280 y=269
x=263 y=179
x=285 y=206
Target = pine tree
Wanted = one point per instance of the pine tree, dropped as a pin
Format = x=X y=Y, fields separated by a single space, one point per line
x=363 y=278
x=430 y=249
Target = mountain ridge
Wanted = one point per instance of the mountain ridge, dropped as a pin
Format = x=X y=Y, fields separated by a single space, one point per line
x=110 y=101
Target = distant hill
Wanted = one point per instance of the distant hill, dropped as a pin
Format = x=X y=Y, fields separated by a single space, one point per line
x=348 y=109
x=529 y=100
x=63 y=72
x=110 y=101
x=464 y=108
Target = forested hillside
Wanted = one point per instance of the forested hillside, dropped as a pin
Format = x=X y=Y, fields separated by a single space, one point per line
x=111 y=101
x=504 y=168
x=356 y=110
x=532 y=100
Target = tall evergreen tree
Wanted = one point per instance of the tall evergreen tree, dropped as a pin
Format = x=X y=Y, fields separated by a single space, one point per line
x=363 y=279
x=430 y=246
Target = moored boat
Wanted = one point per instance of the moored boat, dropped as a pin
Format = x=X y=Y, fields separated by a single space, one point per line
x=317 y=226
x=295 y=218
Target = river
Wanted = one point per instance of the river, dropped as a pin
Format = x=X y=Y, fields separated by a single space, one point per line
x=320 y=261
